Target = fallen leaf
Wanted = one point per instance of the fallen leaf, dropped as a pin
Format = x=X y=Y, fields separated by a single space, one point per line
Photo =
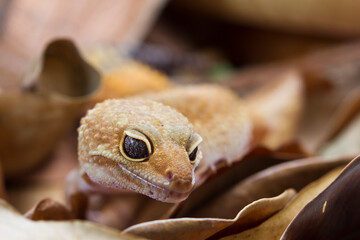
x=203 y=228
x=334 y=213
x=27 y=134
x=329 y=75
x=267 y=183
x=34 y=121
x=123 y=210
x=346 y=144
x=311 y=18
x=49 y=209
x=226 y=176
x=14 y=226
x=26 y=195
x=348 y=109
x=3 y=194
x=277 y=108
x=86 y=23
x=274 y=227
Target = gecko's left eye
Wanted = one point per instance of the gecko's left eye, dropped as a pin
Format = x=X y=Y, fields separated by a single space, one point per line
x=135 y=146
x=192 y=147
x=192 y=155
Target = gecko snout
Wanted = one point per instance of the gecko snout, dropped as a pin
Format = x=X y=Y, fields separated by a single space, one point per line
x=179 y=184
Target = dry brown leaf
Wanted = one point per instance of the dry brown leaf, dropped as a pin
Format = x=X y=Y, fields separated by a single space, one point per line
x=348 y=109
x=14 y=226
x=3 y=194
x=63 y=73
x=329 y=76
x=226 y=176
x=123 y=210
x=277 y=107
x=28 y=135
x=61 y=83
x=347 y=143
x=202 y=228
x=310 y=17
x=46 y=181
x=49 y=209
x=27 y=194
x=274 y=227
x=342 y=138
x=266 y=183
x=334 y=213
x=88 y=23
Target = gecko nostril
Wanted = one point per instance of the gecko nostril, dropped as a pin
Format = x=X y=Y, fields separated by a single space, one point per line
x=169 y=175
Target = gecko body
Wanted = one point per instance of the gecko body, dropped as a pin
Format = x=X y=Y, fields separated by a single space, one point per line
x=151 y=144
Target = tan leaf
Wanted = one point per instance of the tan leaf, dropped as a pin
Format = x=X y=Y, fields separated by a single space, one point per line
x=49 y=209
x=311 y=17
x=14 y=226
x=342 y=138
x=347 y=143
x=25 y=196
x=34 y=121
x=227 y=176
x=267 y=183
x=277 y=108
x=86 y=23
x=202 y=228
x=123 y=210
x=3 y=194
x=47 y=181
x=329 y=75
x=274 y=227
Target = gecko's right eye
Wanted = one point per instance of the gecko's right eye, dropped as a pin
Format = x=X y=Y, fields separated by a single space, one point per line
x=135 y=146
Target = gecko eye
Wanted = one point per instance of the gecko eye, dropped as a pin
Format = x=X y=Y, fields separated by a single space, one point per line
x=192 y=147
x=192 y=155
x=135 y=146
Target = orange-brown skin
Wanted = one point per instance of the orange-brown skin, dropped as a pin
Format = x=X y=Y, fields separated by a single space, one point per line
x=167 y=174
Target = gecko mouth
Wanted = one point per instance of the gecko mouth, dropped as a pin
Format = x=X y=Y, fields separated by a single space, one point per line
x=146 y=187
x=156 y=192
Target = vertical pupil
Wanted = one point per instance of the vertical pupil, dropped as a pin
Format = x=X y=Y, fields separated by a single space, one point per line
x=192 y=155
x=135 y=148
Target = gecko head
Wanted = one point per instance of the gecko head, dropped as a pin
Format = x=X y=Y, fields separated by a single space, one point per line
x=139 y=145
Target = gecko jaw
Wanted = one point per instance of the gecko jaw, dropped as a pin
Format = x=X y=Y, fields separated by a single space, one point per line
x=156 y=192
x=143 y=185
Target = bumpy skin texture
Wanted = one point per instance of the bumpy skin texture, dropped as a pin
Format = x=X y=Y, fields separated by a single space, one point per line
x=167 y=175
x=218 y=115
x=171 y=121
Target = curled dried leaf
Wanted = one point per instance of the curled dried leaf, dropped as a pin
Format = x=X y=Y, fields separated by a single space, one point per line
x=15 y=226
x=266 y=183
x=48 y=209
x=295 y=17
x=277 y=108
x=347 y=143
x=3 y=194
x=203 y=228
x=61 y=84
x=211 y=185
x=274 y=227
x=334 y=213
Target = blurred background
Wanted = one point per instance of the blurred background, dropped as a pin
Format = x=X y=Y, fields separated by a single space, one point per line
x=207 y=37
